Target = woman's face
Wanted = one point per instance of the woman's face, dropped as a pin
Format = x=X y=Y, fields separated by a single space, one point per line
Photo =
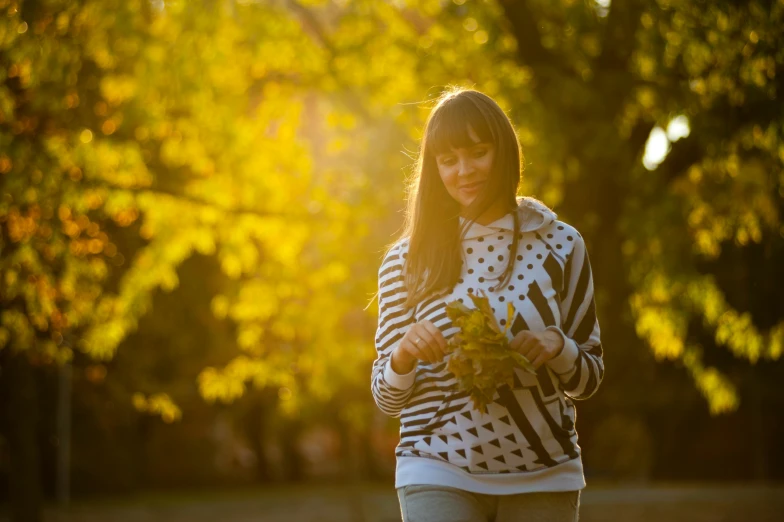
x=465 y=171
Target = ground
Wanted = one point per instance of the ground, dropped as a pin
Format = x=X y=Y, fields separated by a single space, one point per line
x=378 y=503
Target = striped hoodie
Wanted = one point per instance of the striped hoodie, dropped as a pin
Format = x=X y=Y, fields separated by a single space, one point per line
x=527 y=440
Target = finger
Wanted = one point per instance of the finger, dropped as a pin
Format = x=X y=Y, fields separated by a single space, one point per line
x=405 y=350
x=409 y=343
x=518 y=340
x=534 y=352
x=428 y=344
x=436 y=333
x=434 y=347
x=540 y=359
x=435 y=353
x=416 y=349
x=423 y=354
x=526 y=346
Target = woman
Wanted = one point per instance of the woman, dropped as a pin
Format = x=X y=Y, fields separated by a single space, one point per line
x=466 y=230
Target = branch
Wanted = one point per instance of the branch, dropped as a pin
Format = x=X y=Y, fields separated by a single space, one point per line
x=530 y=50
x=193 y=200
x=612 y=72
x=312 y=27
x=684 y=153
x=721 y=122
x=525 y=30
x=229 y=209
x=639 y=136
x=619 y=32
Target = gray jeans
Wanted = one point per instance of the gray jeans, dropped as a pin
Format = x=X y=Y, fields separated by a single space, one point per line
x=428 y=503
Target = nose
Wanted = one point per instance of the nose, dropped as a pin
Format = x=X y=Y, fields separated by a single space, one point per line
x=465 y=167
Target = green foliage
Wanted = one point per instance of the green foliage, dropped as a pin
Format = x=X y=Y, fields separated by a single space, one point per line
x=718 y=191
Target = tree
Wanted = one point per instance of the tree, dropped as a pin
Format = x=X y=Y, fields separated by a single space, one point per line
x=176 y=123
x=588 y=87
x=136 y=134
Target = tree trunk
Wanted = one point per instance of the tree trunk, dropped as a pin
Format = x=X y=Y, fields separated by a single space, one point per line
x=254 y=433
x=759 y=446
x=293 y=462
x=22 y=434
x=370 y=469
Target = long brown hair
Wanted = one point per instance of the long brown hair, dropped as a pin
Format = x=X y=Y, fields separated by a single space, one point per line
x=432 y=224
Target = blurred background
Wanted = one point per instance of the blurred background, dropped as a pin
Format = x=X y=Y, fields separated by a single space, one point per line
x=194 y=201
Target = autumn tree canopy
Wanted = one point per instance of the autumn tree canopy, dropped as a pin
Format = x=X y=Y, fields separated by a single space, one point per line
x=274 y=137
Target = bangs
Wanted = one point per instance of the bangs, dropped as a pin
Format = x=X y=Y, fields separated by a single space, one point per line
x=448 y=127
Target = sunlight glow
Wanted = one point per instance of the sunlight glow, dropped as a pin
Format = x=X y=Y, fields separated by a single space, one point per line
x=656 y=148
x=658 y=144
x=678 y=128
x=602 y=7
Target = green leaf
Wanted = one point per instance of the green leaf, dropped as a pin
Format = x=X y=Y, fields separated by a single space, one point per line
x=522 y=362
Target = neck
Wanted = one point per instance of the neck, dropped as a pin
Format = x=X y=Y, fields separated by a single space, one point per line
x=492 y=214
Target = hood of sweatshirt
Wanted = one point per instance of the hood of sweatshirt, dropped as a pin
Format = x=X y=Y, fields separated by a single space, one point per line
x=533 y=215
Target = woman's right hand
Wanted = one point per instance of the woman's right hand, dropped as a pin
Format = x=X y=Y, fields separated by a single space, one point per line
x=422 y=342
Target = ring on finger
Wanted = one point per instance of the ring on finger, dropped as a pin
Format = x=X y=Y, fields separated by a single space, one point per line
x=417 y=341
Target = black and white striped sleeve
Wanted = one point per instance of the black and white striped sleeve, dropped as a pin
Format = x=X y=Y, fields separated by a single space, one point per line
x=390 y=390
x=579 y=366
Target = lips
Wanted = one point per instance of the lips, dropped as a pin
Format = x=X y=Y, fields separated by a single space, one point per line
x=470 y=186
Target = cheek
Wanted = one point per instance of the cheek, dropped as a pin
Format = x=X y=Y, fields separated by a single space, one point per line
x=487 y=163
x=449 y=177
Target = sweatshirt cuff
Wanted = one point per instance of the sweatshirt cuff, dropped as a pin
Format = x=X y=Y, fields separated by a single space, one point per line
x=564 y=361
x=401 y=382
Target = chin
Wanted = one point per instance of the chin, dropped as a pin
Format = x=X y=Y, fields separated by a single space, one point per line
x=462 y=202
x=469 y=200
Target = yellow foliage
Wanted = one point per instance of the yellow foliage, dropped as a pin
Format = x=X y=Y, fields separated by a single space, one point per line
x=663 y=330
x=231 y=134
x=157 y=404
x=220 y=306
x=776 y=343
x=117 y=89
x=215 y=386
x=732 y=329
x=249 y=338
x=720 y=393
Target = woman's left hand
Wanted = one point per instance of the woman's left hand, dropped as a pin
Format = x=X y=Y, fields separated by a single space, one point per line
x=537 y=347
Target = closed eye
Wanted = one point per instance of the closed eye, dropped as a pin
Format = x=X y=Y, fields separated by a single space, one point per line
x=476 y=153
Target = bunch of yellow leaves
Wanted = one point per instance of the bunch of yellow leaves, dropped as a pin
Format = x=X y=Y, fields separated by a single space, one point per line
x=481 y=358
